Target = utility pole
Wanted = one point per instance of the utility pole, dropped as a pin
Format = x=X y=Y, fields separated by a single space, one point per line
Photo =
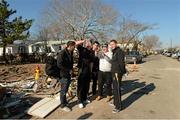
x=171 y=45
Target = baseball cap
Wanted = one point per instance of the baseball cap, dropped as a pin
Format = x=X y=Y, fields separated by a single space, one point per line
x=105 y=45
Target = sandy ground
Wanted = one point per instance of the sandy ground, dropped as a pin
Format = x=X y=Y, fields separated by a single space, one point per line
x=150 y=93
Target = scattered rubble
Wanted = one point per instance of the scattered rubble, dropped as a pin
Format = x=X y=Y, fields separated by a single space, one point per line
x=17 y=85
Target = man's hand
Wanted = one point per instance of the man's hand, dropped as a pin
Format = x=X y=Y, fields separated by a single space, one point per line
x=79 y=42
x=96 y=53
x=116 y=76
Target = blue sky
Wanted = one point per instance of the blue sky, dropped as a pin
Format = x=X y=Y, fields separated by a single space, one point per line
x=166 y=13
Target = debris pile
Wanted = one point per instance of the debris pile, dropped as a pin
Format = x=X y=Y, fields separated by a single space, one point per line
x=15 y=73
x=13 y=104
x=19 y=90
x=18 y=84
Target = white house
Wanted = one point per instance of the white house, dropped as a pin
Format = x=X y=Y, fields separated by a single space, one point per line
x=33 y=46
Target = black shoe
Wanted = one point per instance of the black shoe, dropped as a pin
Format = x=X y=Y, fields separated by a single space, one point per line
x=116 y=110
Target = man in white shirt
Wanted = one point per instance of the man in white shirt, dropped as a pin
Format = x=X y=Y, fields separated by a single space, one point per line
x=104 y=75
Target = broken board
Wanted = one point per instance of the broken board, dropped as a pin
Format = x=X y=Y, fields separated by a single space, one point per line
x=45 y=106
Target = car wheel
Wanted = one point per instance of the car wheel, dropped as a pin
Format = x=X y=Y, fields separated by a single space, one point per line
x=178 y=59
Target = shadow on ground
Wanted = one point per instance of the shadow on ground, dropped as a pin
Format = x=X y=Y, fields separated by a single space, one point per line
x=130 y=85
x=138 y=94
x=140 y=88
x=85 y=116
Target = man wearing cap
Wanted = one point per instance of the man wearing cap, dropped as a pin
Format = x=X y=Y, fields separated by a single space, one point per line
x=104 y=75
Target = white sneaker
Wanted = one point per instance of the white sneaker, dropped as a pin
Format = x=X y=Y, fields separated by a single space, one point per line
x=66 y=109
x=115 y=111
x=87 y=101
x=81 y=105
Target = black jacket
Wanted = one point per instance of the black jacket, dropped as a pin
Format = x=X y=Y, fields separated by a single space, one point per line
x=65 y=63
x=118 y=63
x=95 y=61
x=86 y=57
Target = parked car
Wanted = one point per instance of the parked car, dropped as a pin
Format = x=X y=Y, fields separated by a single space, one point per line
x=175 y=54
x=178 y=56
x=168 y=54
x=133 y=56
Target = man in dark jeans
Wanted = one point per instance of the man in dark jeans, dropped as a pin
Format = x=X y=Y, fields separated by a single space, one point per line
x=104 y=75
x=65 y=64
x=118 y=70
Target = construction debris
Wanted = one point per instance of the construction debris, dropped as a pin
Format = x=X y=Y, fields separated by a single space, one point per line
x=18 y=84
x=13 y=104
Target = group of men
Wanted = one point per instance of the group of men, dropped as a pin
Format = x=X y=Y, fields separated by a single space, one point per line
x=97 y=63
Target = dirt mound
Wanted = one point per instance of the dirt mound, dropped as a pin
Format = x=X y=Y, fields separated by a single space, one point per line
x=18 y=72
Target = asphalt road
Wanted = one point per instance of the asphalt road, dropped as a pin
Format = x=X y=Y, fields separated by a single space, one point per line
x=152 y=92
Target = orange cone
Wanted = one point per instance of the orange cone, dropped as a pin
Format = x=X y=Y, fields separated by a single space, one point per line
x=134 y=67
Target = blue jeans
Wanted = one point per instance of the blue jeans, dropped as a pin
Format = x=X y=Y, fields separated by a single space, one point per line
x=65 y=82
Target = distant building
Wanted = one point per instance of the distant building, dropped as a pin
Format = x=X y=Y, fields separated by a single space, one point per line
x=31 y=46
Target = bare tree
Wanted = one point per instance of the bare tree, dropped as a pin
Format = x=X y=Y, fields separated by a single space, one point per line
x=151 y=42
x=130 y=30
x=43 y=35
x=79 y=19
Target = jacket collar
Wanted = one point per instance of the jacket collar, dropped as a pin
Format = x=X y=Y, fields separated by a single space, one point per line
x=114 y=50
x=68 y=53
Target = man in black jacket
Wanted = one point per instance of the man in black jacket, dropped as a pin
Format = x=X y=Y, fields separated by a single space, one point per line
x=118 y=70
x=65 y=64
x=95 y=66
x=86 y=57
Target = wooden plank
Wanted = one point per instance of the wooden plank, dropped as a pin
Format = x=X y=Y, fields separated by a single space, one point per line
x=44 y=107
x=44 y=110
x=38 y=104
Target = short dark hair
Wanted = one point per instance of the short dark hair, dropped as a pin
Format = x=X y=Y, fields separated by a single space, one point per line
x=70 y=43
x=113 y=40
x=96 y=42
